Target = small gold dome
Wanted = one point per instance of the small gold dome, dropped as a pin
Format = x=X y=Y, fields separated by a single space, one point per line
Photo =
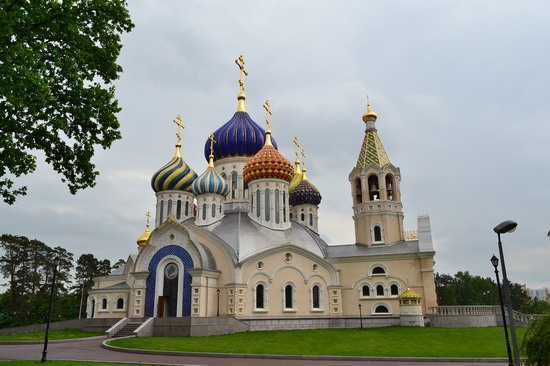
x=142 y=240
x=409 y=294
x=369 y=114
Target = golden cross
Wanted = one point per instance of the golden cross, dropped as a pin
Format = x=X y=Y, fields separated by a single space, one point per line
x=304 y=158
x=178 y=121
x=295 y=140
x=212 y=142
x=267 y=114
x=242 y=73
x=148 y=214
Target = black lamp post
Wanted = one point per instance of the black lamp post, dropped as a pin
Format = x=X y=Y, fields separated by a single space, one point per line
x=360 y=315
x=45 y=351
x=218 y=311
x=508 y=226
x=494 y=262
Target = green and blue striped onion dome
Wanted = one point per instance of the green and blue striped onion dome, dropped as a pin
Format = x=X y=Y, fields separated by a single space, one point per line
x=210 y=182
x=176 y=175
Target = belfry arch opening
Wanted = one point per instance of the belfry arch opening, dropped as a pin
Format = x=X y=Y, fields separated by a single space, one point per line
x=358 y=191
x=374 y=188
x=390 y=187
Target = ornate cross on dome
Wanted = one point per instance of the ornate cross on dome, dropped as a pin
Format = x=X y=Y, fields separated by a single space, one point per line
x=148 y=214
x=242 y=73
x=267 y=114
x=178 y=122
x=295 y=140
x=212 y=142
x=304 y=158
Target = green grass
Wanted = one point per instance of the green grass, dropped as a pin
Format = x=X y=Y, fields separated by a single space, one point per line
x=66 y=363
x=381 y=342
x=54 y=335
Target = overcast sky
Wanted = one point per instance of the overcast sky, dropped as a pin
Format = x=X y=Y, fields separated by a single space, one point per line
x=460 y=89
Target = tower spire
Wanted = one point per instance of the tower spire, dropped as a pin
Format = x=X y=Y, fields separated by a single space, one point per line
x=211 y=157
x=304 y=176
x=372 y=150
x=242 y=73
x=297 y=160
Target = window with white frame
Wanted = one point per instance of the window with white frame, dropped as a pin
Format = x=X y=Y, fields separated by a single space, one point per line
x=120 y=303
x=394 y=290
x=104 y=303
x=289 y=297
x=379 y=290
x=365 y=291
x=316 y=297
x=260 y=296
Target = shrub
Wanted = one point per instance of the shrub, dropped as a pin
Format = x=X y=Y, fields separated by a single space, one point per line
x=536 y=342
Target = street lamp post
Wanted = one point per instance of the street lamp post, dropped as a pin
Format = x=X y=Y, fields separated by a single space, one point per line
x=494 y=262
x=360 y=315
x=45 y=351
x=507 y=226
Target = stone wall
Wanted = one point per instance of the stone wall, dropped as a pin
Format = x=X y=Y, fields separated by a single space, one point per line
x=87 y=325
x=321 y=322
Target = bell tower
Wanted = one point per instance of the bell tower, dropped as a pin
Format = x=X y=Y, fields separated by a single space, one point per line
x=375 y=187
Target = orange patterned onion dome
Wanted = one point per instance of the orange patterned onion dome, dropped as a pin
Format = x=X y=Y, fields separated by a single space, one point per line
x=268 y=163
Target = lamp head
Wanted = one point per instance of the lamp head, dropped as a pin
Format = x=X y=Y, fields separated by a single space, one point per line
x=507 y=226
x=494 y=261
x=360 y=306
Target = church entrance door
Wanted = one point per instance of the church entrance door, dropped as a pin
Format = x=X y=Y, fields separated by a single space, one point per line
x=160 y=307
x=170 y=290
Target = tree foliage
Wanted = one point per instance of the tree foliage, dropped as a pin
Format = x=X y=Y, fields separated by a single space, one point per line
x=57 y=65
x=536 y=342
x=28 y=266
x=465 y=289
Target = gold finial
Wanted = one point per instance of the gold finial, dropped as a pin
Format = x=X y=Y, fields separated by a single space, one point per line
x=267 y=115
x=180 y=125
x=369 y=114
x=242 y=73
x=148 y=214
x=142 y=240
x=304 y=177
x=297 y=161
x=211 y=157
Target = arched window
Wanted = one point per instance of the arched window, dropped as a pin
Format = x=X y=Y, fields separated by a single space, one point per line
x=365 y=290
x=394 y=290
x=213 y=210
x=310 y=219
x=277 y=207
x=186 y=208
x=374 y=191
x=381 y=309
x=178 y=210
x=260 y=296
x=358 y=191
x=316 y=297
x=161 y=212
x=234 y=184
x=303 y=217
x=104 y=304
x=377 y=234
x=204 y=211
x=289 y=297
x=120 y=303
x=245 y=190
x=378 y=270
x=169 y=210
x=379 y=290
x=267 y=206
x=252 y=208
x=258 y=203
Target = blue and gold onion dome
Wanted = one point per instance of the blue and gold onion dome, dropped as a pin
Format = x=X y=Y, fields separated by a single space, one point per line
x=305 y=193
x=210 y=182
x=176 y=175
x=240 y=136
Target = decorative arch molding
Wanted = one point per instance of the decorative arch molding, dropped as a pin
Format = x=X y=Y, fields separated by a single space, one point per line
x=298 y=251
x=381 y=303
x=268 y=278
x=283 y=267
x=317 y=278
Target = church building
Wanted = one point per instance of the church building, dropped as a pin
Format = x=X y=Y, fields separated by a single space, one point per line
x=242 y=238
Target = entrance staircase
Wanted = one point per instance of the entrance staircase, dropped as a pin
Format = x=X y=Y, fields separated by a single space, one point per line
x=129 y=328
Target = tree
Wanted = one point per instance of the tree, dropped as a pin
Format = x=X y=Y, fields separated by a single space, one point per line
x=536 y=342
x=119 y=263
x=57 y=65
x=87 y=268
x=518 y=295
x=465 y=289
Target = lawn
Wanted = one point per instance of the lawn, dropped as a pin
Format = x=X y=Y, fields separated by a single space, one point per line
x=54 y=335
x=378 y=342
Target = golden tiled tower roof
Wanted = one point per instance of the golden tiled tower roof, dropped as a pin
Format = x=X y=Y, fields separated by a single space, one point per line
x=372 y=150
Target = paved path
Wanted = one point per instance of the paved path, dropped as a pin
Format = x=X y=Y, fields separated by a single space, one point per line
x=91 y=350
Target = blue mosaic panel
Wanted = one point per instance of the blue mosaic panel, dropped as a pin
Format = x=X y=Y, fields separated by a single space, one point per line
x=184 y=256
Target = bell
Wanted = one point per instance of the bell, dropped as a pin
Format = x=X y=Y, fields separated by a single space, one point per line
x=373 y=189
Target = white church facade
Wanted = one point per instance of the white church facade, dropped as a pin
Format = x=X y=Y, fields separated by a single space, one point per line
x=242 y=239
